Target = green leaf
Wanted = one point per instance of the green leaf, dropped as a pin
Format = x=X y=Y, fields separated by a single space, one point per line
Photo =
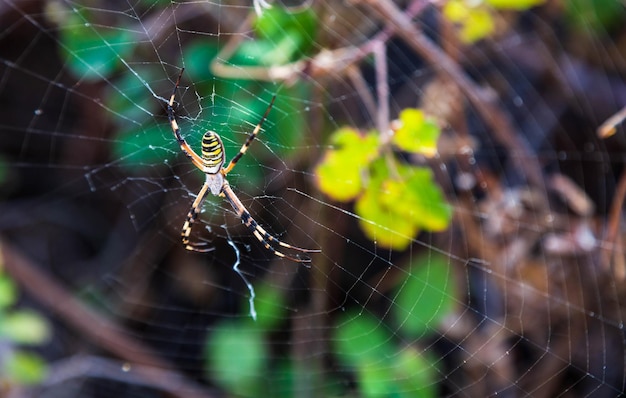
x=281 y=381
x=417 y=197
x=129 y=101
x=415 y=373
x=146 y=147
x=25 y=368
x=198 y=55
x=376 y=379
x=425 y=297
x=395 y=207
x=362 y=343
x=93 y=53
x=416 y=133
x=596 y=16
x=339 y=178
x=360 y=339
x=270 y=306
x=288 y=120
x=8 y=291
x=237 y=357
x=340 y=173
x=25 y=327
x=291 y=34
x=381 y=223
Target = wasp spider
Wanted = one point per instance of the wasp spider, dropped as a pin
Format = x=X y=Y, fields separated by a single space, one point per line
x=211 y=162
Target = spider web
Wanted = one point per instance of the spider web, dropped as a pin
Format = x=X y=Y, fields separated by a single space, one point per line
x=522 y=294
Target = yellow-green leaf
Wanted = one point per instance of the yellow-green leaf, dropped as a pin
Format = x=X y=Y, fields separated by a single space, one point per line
x=381 y=221
x=519 y=5
x=8 y=291
x=396 y=206
x=475 y=21
x=416 y=133
x=25 y=327
x=415 y=195
x=382 y=224
x=456 y=10
x=338 y=178
x=418 y=197
x=340 y=173
x=25 y=368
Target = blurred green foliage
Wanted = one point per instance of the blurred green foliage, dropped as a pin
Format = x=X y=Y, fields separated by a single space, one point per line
x=240 y=361
x=93 y=53
x=240 y=358
x=595 y=16
x=288 y=35
x=97 y=50
x=20 y=328
x=383 y=367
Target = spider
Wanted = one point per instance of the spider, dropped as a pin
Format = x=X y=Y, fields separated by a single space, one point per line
x=211 y=162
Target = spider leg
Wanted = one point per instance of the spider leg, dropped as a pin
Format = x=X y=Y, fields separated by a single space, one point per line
x=261 y=234
x=249 y=140
x=195 y=158
x=191 y=218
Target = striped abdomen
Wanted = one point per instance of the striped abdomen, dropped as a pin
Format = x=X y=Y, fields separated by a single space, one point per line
x=212 y=151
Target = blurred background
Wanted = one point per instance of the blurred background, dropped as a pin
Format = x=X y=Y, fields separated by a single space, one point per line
x=459 y=165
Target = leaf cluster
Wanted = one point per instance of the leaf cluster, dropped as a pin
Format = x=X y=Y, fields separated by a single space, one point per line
x=394 y=200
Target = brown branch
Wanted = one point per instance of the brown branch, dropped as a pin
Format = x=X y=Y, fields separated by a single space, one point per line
x=484 y=102
x=614 y=259
x=85 y=366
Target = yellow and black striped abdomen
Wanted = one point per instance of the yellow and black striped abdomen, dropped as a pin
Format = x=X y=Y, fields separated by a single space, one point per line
x=212 y=151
